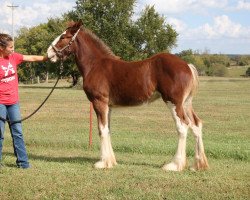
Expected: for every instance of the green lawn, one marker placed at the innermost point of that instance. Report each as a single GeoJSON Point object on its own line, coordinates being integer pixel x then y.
{"type": "Point", "coordinates": [144, 138]}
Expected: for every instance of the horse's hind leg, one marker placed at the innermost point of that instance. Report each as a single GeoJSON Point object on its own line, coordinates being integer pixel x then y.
{"type": "Point", "coordinates": [179, 161]}
{"type": "Point", "coordinates": [200, 162]}
{"type": "Point", "coordinates": [107, 155]}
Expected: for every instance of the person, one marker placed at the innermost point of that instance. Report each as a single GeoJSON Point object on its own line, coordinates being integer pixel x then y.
{"type": "Point", "coordinates": [9, 98]}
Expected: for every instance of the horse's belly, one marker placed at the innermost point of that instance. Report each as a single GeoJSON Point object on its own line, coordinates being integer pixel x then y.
{"type": "Point", "coordinates": [134, 100]}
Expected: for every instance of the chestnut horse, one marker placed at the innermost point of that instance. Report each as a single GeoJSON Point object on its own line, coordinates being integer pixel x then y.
{"type": "Point", "coordinates": [109, 81]}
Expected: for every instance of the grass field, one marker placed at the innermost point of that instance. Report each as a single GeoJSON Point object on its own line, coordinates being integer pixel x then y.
{"type": "Point", "coordinates": [144, 138]}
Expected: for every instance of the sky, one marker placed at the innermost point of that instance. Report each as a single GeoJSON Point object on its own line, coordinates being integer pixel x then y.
{"type": "Point", "coordinates": [214, 26]}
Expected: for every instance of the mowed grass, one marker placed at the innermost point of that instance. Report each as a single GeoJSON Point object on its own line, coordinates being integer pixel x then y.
{"type": "Point", "coordinates": [143, 138]}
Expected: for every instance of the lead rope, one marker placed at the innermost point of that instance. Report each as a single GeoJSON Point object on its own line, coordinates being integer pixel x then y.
{"type": "Point", "coordinates": [35, 111]}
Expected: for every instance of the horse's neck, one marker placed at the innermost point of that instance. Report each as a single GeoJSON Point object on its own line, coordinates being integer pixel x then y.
{"type": "Point", "coordinates": [83, 65]}
{"type": "Point", "coordinates": [84, 57]}
{"type": "Point", "coordinates": [88, 52]}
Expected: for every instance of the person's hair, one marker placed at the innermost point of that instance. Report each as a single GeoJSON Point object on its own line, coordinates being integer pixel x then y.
{"type": "Point", "coordinates": [5, 39]}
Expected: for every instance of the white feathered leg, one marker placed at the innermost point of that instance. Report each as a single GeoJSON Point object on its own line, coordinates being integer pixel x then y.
{"type": "Point", "coordinates": [107, 154]}
{"type": "Point", "coordinates": [200, 162]}
{"type": "Point", "coordinates": [179, 161]}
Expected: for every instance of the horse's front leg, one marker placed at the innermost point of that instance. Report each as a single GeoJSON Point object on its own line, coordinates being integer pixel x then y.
{"type": "Point", "coordinates": [107, 155]}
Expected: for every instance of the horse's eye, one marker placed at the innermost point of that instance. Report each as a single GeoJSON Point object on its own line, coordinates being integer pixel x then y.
{"type": "Point", "coordinates": [63, 37]}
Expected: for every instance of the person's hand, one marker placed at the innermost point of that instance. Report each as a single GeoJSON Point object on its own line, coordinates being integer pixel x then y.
{"type": "Point", "coordinates": [45, 57]}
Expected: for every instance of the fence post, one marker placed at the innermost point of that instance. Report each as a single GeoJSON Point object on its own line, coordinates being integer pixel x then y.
{"type": "Point", "coordinates": [90, 124]}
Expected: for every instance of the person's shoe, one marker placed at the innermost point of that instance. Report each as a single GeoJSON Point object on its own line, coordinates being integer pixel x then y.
{"type": "Point", "coordinates": [24, 166]}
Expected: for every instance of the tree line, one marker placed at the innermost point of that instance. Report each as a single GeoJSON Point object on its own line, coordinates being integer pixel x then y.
{"type": "Point", "coordinates": [130, 37]}
{"type": "Point", "coordinates": [214, 64]}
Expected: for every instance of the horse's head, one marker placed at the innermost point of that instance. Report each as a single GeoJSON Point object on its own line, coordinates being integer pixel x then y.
{"type": "Point", "coordinates": [64, 45]}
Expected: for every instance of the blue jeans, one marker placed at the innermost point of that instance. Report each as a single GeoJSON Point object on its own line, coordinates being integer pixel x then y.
{"type": "Point", "coordinates": [12, 112]}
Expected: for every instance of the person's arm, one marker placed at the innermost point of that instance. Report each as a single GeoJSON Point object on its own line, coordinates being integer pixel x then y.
{"type": "Point", "coordinates": [34, 58]}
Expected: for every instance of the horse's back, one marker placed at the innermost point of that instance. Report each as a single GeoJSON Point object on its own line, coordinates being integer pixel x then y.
{"type": "Point", "coordinates": [164, 73]}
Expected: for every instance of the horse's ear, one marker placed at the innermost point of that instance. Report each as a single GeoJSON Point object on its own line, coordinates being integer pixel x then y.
{"type": "Point", "coordinates": [78, 24]}
{"type": "Point", "coordinates": [75, 25]}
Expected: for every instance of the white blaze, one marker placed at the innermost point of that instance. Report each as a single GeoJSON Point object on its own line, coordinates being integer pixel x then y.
{"type": "Point", "coordinates": [51, 52]}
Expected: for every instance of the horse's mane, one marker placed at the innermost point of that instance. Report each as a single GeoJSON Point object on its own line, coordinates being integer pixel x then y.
{"type": "Point", "coordinates": [99, 43]}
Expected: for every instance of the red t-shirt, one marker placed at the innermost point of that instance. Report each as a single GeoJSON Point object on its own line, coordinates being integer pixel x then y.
{"type": "Point", "coordinates": [9, 79]}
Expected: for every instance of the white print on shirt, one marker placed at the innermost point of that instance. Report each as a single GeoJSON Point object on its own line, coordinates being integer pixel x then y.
{"type": "Point", "coordinates": [6, 80]}
{"type": "Point", "coordinates": [6, 72]}
{"type": "Point", "coordinates": [7, 69]}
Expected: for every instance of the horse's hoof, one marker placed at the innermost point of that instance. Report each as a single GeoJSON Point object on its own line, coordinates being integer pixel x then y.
{"type": "Point", "coordinates": [104, 164]}
{"type": "Point", "coordinates": [100, 165]}
{"type": "Point", "coordinates": [193, 169]}
{"type": "Point", "coordinates": [200, 164]}
{"type": "Point", "coordinates": [172, 167]}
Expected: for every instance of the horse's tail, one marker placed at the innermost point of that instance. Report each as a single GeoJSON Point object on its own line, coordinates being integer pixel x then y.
{"type": "Point", "coordinates": [195, 81]}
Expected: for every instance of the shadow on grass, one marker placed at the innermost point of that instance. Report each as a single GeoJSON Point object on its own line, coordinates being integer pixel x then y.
{"type": "Point", "coordinates": [80, 160]}
{"type": "Point", "coordinates": [44, 87]}
{"type": "Point", "coordinates": [130, 163]}
{"type": "Point", "coordinates": [57, 159]}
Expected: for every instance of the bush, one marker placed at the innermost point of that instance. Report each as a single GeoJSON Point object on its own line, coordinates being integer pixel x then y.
{"type": "Point", "coordinates": [244, 60]}
{"type": "Point", "coordinates": [218, 70]}
{"type": "Point", "coordinates": [248, 71]}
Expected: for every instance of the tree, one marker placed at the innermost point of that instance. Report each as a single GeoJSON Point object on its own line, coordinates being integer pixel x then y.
{"type": "Point", "coordinates": [216, 64]}
{"type": "Point", "coordinates": [108, 19]}
{"type": "Point", "coordinates": [112, 21]}
{"type": "Point", "coordinates": [190, 57]}
{"type": "Point", "coordinates": [31, 41]}
{"type": "Point", "coordinates": [218, 70]}
{"type": "Point", "coordinates": [187, 55]}
{"type": "Point", "coordinates": [244, 60]}
{"type": "Point", "coordinates": [154, 34]}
